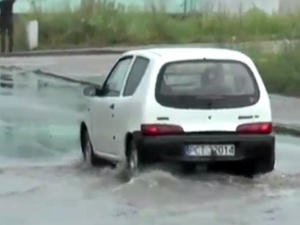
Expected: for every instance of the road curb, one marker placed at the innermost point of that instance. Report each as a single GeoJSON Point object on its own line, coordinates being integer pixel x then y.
{"type": "Point", "coordinates": [287, 129]}
{"type": "Point", "coordinates": [121, 49]}
{"type": "Point", "coordinates": [42, 73]}
{"type": "Point", "coordinates": [64, 78]}
{"type": "Point", "coordinates": [67, 52]}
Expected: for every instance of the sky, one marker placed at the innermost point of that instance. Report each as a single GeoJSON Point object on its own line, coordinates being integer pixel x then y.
{"type": "Point", "coordinates": [171, 5]}
{"type": "Point", "coordinates": [24, 5]}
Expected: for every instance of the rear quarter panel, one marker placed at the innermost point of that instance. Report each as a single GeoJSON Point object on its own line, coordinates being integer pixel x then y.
{"type": "Point", "coordinates": [264, 104]}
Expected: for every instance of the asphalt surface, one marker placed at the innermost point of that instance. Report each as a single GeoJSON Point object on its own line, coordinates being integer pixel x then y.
{"type": "Point", "coordinates": [43, 180]}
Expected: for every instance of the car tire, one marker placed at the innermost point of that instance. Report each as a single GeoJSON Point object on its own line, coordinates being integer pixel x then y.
{"type": "Point", "coordinates": [247, 168]}
{"type": "Point", "coordinates": [262, 165]}
{"type": "Point", "coordinates": [188, 167]}
{"type": "Point", "coordinates": [88, 151]}
{"type": "Point", "coordinates": [133, 162]}
{"type": "Point", "coordinates": [258, 166]}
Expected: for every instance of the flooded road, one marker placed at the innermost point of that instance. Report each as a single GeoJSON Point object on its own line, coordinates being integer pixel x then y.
{"type": "Point", "coordinates": [43, 180]}
{"type": "Point", "coordinates": [73, 194]}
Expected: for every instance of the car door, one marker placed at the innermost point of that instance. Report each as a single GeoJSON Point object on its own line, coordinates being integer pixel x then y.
{"type": "Point", "coordinates": [124, 106]}
{"type": "Point", "coordinates": [104, 105]}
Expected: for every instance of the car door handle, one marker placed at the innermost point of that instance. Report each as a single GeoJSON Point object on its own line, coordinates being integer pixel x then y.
{"type": "Point", "coordinates": [112, 106]}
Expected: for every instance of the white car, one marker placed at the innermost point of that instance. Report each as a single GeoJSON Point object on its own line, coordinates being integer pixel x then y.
{"type": "Point", "coordinates": [187, 105]}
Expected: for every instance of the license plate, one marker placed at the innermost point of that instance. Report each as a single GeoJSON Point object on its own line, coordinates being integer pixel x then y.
{"type": "Point", "coordinates": [210, 150]}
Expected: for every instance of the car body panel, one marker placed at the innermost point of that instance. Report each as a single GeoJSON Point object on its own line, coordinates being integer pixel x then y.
{"type": "Point", "coordinates": [142, 108]}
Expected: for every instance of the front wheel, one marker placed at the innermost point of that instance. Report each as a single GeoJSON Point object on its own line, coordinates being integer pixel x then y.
{"type": "Point", "coordinates": [88, 151]}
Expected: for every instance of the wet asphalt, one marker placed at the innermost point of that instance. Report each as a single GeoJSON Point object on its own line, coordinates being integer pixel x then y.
{"type": "Point", "coordinates": [44, 181]}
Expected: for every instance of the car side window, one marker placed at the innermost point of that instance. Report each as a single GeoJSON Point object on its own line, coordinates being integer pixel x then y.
{"type": "Point", "coordinates": [136, 74]}
{"type": "Point", "coordinates": [115, 80]}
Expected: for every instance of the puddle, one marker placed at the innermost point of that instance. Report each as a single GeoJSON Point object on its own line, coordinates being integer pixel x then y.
{"type": "Point", "coordinates": [39, 116]}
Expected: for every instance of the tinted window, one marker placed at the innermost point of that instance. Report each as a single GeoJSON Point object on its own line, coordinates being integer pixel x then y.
{"type": "Point", "coordinates": [135, 76]}
{"type": "Point", "coordinates": [206, 84]}
{"type": "Point", "coordinates": [114, 84]}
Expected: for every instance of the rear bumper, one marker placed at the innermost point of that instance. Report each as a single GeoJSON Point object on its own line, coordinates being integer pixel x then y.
{"type": "Point", "coordinates": [173, 147]}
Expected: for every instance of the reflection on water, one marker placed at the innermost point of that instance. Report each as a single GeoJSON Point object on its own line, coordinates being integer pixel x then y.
{"type": "Point", "coordinates": [39, 116]}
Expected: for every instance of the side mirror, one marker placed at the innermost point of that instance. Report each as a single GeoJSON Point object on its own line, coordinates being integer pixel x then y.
{"type": "Point", "coordinates": [90, 91]}
{"type": "Point", "coordinates": [93, 90]}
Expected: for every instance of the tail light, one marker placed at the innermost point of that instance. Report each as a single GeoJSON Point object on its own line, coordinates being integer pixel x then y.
{"type": "Point", "coordinates": [160, 129]}
{"type": "Point", "coordinates": [255, 128]}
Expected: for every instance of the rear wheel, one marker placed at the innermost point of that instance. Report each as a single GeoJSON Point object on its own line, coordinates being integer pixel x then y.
{"type": "Point", "coordinates": [261, 165]}
{"type": "Point", "coordinates": [189, 167]}
{"type": "Point", "coordinates": [133, 163]}
{"type": "Point", "coordinates": [248, 168]}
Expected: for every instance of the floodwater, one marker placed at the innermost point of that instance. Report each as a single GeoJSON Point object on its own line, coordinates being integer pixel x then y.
{"type": "Point", "coordinates": [43, 180]}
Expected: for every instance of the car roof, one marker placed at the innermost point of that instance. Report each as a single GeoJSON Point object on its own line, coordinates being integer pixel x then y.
{"type": "Point", "coordinates": [183, 53]}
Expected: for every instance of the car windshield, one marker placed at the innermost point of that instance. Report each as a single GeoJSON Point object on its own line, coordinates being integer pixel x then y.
{"type": "Point", "coordinates": [206, 84]}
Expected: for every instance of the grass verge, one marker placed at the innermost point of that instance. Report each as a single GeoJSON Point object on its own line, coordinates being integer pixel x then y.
{"type": "Point", "coordinates": [281, 71]}
{"type": "Point", "coordinates": [100, 24]}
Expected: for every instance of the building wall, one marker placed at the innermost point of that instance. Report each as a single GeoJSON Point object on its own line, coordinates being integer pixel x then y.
{"type": "Point", "coordinates": [287, 6]}
{"type": "Point", "coordinates": [236, 6]}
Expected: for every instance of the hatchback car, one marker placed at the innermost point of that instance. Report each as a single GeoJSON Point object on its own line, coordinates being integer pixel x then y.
{"type": "Point", "coordinates": [187, 105]}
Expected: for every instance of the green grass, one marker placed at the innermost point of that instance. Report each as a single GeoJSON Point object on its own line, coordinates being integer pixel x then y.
{"type": "Point", "coordinates": [102, 24]}
{"type": "Point", "coordinates": [280, 72]}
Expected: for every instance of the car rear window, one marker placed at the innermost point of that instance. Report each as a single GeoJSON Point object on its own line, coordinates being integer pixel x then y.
{"type": "Point", "coordinates": [206, 84]}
